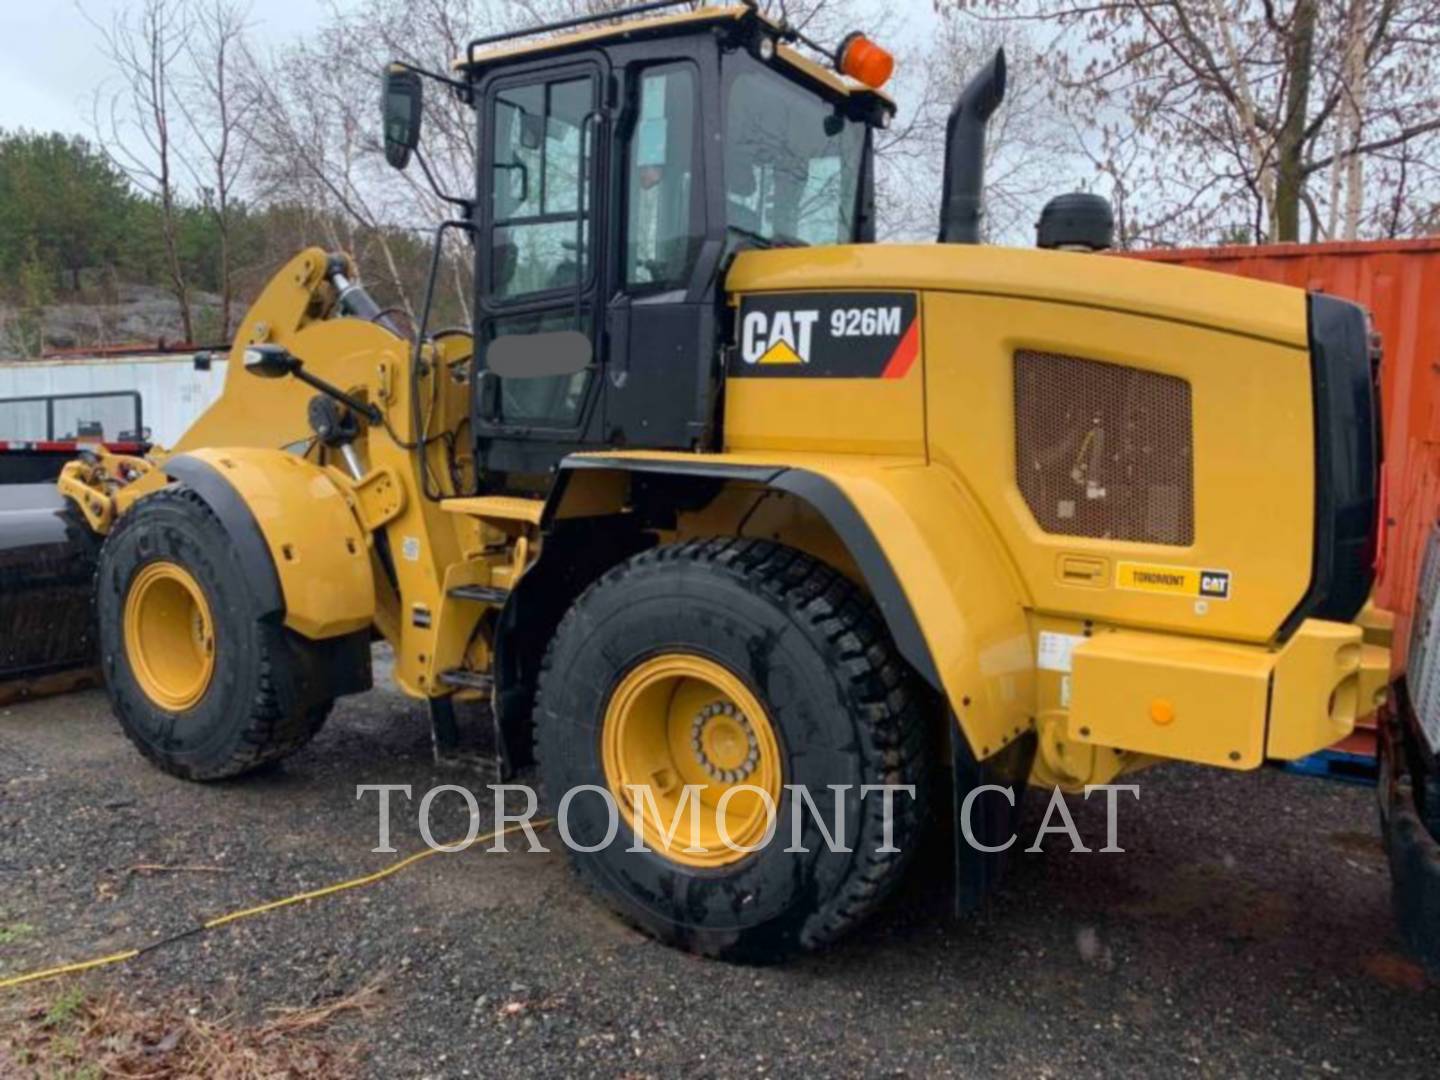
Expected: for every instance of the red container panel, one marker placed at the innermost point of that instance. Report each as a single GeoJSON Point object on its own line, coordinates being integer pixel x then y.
{"type": "Point", "coordinates": [1399, 281]}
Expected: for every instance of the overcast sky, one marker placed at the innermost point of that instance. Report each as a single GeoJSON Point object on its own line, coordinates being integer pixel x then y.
{"type": "Point", "coordinates": [51, 62]}
{"type": "Point", "coordinates": [51, 65]}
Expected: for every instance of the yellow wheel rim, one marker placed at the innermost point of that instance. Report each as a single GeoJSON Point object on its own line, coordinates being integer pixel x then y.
{"type": "Point", "coordinates": [679, 719]}
{"type": "Point", "coordinates": [169, 636]}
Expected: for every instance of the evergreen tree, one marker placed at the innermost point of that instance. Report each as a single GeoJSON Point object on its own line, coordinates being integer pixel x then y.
{"type": "Point", "coordinates": [61, 203]}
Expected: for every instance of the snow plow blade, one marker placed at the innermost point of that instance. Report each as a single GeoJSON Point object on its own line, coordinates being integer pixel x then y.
{"type": "Point", "coordinates": [48, 552]}
{"type": "Point", "coordinates": [47, 572]}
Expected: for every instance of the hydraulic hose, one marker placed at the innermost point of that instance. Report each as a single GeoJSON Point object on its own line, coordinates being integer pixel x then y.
{"type": "Point", "coordinates": [352, 299]}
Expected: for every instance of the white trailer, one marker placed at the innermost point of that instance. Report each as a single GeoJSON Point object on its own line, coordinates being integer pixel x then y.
{"type": "Point", "coordinates": [173, 393]}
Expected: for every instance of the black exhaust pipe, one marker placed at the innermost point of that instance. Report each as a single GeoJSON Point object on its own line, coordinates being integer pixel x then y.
{"type": "Point", "coordinates": [962, 203]}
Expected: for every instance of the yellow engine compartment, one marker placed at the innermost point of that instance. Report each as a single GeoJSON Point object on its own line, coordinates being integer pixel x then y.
{"type": "Point", "coordinates": [1185, 631]}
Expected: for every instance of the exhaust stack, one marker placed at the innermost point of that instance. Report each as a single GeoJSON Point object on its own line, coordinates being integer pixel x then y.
{"type": "Point", "coordinates": [962, 202]}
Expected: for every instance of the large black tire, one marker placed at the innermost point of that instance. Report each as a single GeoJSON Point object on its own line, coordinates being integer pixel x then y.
{"type": "Point", "coordinates": [813, 651]}
{"type": "Point", "coordinates": [254, 709]}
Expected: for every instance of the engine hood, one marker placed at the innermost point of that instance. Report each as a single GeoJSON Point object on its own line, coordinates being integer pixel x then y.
{"type": "Point", "coordinates": [1275, 313]}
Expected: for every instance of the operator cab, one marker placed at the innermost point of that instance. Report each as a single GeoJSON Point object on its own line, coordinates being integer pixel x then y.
{"type": "Point", "coordinates": [604, 218]}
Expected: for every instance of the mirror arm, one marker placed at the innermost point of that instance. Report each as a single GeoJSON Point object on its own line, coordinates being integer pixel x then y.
{"type": "Point", "coordinates": [422, 331]}
{"type": "Point", "coordinates": [466, 206]}
{"type": "Point", "coordinates": [371, 413]}
{"type": "Point", "coordinates": [460, 87]}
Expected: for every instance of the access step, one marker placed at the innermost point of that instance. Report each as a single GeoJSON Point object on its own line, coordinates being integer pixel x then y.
{"type": "Point", "coordinates": [466, 680]}
{"type": "Point", "coordinates": [497, 508]}
{"type": "Point", "coordinates": [484, 594]}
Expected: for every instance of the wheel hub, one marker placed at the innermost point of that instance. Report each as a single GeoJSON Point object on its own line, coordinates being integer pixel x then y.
{"type": "Point", "coordinates": [678, 721]}
{"type": "Point", "coordinates": [724, 743]}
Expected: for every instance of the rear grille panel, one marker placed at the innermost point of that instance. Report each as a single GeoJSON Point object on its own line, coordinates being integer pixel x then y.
{"type": "Point", "coordinates": [1104, 450]}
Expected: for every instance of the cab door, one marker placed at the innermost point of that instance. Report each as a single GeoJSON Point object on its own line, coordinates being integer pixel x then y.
{"type": "Point", "coordinates": [662, 315]}
{"type": "Point", "coordinates": [541, 207]}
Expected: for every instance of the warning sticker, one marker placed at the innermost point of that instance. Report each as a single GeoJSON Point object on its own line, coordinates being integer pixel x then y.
{"type": "Point", "coordinates": [1173, 580]}
{"type": "Point", "coordinates": [838, 335]}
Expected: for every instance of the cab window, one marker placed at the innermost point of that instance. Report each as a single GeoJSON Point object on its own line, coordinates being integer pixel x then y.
{"type": "Point", "coordinates": [541, 156]}
{"type": "Point", "coordinates": [664, 212]}
{"type": "Point", "coordinates": [792, 160]}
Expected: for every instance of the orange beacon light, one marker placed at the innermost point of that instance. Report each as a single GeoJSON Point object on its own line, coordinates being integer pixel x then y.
{"type": "Point", "coordinates": [864, 61]}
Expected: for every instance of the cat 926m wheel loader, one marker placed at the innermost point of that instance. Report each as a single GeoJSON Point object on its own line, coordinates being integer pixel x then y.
{"type": "Point", "coordinates": [719, 494]}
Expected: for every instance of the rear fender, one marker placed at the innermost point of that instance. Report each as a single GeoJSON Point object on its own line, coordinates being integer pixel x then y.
{"type": "Point", "coordinates": [914, 538]}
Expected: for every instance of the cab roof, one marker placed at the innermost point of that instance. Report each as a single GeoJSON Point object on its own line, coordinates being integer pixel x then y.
{"type": "Point", "coordinates": [478, 59]}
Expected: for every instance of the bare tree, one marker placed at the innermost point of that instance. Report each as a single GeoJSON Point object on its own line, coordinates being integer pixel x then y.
{"type": "Point", "coordinates": [135, 117]}
{"type": "Point", "coordinates": [1243, 117]}
{"type": "Point", "coordinates": [317, 132]}
{"type": "Point", "coordinates": [218, 106]}
{"type": "Point", "coordinates": [315, 152]}
{"type": "Point", "coordinates": [318, 138]}
{"type": "Point", "coordinates": [1030, 148]}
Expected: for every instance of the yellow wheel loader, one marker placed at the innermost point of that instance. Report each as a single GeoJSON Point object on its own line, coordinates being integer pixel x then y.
{"type": "Point", "coordinates": [718, 495]}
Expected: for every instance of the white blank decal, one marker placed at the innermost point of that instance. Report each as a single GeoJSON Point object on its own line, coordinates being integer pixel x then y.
{"type": "Point", "coordinates": [1056, 649]}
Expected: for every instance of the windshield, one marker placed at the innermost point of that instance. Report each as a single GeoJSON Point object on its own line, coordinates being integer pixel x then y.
{"type": "Point", "coordinates": [792, 161]}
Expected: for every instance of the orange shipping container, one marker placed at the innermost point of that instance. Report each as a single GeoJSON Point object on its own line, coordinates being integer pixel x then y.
{"type": "Point", "coordinates": [1399, 281]}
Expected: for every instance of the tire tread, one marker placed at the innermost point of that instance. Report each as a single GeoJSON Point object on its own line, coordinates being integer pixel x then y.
{"type": "Point", "coordinates": [879, 685]}
{"type": "Point", "coordinates": [271, 732]}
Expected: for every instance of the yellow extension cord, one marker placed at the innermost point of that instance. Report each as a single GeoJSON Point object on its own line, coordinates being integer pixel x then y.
{"type": "Point", "coordinates": [261, 909]}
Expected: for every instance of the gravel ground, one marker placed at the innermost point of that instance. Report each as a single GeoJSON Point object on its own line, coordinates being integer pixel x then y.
{"type": "Point", "coordinates": [1246, 930]}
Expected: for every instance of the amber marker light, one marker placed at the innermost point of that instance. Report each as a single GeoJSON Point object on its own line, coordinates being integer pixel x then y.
{"type": "Point", "coordinates": [864, 61]}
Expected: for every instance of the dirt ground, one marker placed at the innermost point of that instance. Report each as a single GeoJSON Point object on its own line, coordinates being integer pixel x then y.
{"type": "Point", "coordinates": [1246, 930]}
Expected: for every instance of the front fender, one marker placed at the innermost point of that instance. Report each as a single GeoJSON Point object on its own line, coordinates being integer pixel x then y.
{"type": "Point", "coordinates": [304, 551]}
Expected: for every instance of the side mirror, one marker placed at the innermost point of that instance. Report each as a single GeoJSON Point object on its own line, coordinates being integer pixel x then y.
{"type": "Point", "coordinates": [270, 362]}
{"type": "Point", "coordinates": [401, 100]}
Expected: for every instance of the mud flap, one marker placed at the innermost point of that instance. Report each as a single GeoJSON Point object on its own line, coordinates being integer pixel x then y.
{"type": "Point", "coordinates": [321, 671]}
{"type": "Point", "coordinates": [993, 817]}
{"type": "Point", "coordinates": [1409, 794]}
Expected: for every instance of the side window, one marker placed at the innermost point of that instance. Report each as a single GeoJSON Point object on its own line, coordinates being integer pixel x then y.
{"type": "Point", "coordinates": [793, 162]}
{"type": "Point", "coordinates": [541, 159]}
{"type": "Point", "coordinates": [664, 213]}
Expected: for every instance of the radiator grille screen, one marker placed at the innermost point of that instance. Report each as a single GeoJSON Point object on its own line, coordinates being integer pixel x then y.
{"type": "Point", "coordinates": [1104, 450]}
